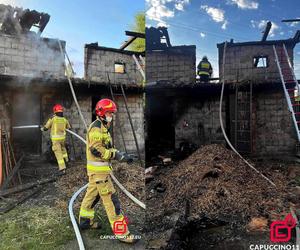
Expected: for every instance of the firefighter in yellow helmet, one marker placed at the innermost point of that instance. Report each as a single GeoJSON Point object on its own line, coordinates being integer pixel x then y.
{"type": "Point", "coordinates": [99, 152]}
{"type": "Point", "coordinates": [204, 70]}
{"type": "Point", "coordinates": [58, 125]}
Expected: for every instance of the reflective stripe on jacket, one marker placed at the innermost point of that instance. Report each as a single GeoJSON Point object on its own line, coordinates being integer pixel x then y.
{"type": "Point", "coordinates": [99, 150]}
{"type": "Point", "coordinates": [58, 127]}
{"type": "Point", "coordinates": [204, 68]}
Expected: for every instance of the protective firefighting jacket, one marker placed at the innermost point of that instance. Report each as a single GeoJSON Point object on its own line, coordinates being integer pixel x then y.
{"type": "Point", "coordinates": [99, 150]}
{"type": "Point", "coordinates": [58, 125]}
{"type": "Point", "coordinates": [204, 68]}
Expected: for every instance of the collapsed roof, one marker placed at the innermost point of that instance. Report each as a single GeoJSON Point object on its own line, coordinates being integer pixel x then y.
{"type": "Point", "coordinates": [15, 20]}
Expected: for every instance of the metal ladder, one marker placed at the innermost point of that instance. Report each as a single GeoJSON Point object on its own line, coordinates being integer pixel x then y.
{"type": "Point", "coordinates": [289, 83]}
{"type": "Point", "coordinates": [140, 65]}
{"type": "Point", "coordinates": [243, 120]}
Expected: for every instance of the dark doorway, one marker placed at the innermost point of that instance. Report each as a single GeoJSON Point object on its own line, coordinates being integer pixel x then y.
{"type": "Point", "coordinates": [160, 125]}
{"type": "Point", "coordinates": [94, 102]}
{"type": "Point", "coordinates": [26, 111]}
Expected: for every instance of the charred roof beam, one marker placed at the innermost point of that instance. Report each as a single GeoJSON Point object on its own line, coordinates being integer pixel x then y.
{"type": "Point", "coordinates": [127, 43]}
{"type": "Point", "coordinates": [264, 38]}
{"type": "Point", "coordinates": [135, 34]}
{"type": "Point", "coordinates": [267, 31]}
{"type": "Point", "coordinates": [290, 20]}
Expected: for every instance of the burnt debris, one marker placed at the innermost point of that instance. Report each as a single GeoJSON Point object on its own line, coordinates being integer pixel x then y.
{"type": "Point", "coordinates": [157, 38]}
{"type": "Point", "coordinates": [15, 20]}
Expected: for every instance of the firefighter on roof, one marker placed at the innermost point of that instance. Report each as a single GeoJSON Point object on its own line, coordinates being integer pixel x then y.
{"type": "Point", "coordinates": [204, 70]}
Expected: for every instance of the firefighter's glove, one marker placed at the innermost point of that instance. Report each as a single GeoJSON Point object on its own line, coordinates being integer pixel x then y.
{"type": "Point", "coordinates": [43, 129]}
{"type": "Point", "coordinates": [123, 157]}
{"type": "Point", "coordinates": [95, 152]}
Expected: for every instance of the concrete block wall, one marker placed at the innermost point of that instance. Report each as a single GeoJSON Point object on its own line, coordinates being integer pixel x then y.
{"type": "Point", "coordinates": [176, 64]}
{"type": "Point", "coordinates": [239, 64]}
{"type": "Point", "coordinates": [136, 109]}
{"type": "Point", "coordinates": [274, 131]}
{"type": "Point", "coordinates": [100, 62]}
{"type": "Point", "coordinates": [135, 103]}
{"type": "Point", "coordinates": [202, 118]}
{"type": "Point", "coordinates": [30, 56]}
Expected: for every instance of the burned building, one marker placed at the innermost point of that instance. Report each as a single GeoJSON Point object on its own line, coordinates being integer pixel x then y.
{"type": "Point", "coordinates": [31, 56]}
{"type": "Point", "coordinates": [167, 63]}
{"type": "Point", "coordinates": [173, 64]}
{"type": "Point", "coordinates": [33, 79]}
{"type": "Point", "coordinates": [117, 69]}
{"type": "Point", "coordinates": [112, 65]}
{"type": "Point", "coordinates": [255, 113]}
{"type": "Point", "coordinates": [253, 61]}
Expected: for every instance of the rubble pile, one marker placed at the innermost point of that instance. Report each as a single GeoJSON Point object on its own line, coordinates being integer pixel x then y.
{"type": "Point", "coordinates": [214, 182]}
{"type": "Point", "coordinates": [130, 176]}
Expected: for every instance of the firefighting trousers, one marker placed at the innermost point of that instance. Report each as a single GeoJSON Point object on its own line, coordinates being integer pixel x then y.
{"type": "Point", "coordinates": [60, 152]}
{"type": "Point", "coordinates": [100, 186]}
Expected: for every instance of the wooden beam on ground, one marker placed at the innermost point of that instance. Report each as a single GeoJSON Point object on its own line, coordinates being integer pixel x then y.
{"type": "Point", "coordinates": [12, 173]}
{"type": "Point", "coordinates": [19, 201]}
{"type": "Point", "coordinates": [26, 186]}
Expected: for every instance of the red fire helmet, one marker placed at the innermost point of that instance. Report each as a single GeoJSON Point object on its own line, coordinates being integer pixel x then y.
{"type": "Point", "coordinates": [58, 108]}
{"type": "Point", "coordinates": [105, 105]}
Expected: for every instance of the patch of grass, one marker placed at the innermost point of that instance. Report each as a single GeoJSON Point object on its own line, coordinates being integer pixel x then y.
{"type": "Point", "coordinates": [34, 228]}
{"type": "Point", "coordinates": [105, 229]}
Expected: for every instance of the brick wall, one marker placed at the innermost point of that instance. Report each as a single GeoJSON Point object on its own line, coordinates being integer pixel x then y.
{"type": "Point", "coordinates": [239, 63]}
{"type": "Point", "coordinates": [30, 56]}
{"type": "Point", "coordinates": [100, 62]}
{"type": "Point", "coordinates": [202, 117]}
{"type": "Point", "coordinates": [175, 64]}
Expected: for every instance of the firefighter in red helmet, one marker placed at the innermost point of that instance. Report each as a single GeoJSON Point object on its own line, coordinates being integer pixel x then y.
{"type": "Point", "coordinates": [99, 152]}
{"type": "Point", "coordinates": [58, 125]}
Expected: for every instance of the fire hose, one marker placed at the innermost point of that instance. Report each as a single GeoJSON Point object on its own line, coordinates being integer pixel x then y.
{"type": "Point", "coordinates": [297, 228]}
{"type": "Point", "coordinates": [135, 200]}
{"type": "Point", "coordinates": [75, 195]}
{"type": "Point", "coordinates": [222, 126]}
{"type": "Point", "coordinates": [76, 229]}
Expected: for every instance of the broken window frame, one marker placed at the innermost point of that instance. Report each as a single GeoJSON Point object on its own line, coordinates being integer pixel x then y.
{"type": "Point", "coordinates": [120, 64]}
{"type": "Point", "coordinates": [256, 64]}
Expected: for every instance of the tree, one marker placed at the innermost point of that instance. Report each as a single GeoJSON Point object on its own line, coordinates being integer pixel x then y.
{"type": "Point", "coordinates": [139, 26]}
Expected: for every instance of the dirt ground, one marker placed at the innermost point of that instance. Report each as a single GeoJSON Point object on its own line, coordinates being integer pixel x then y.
{"type": "Point", "coordinates": [214, 187]}
{"type": "Point", "coordinates": [43, 221]}
{"type": "Point", "coordinates": [206, 201]}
